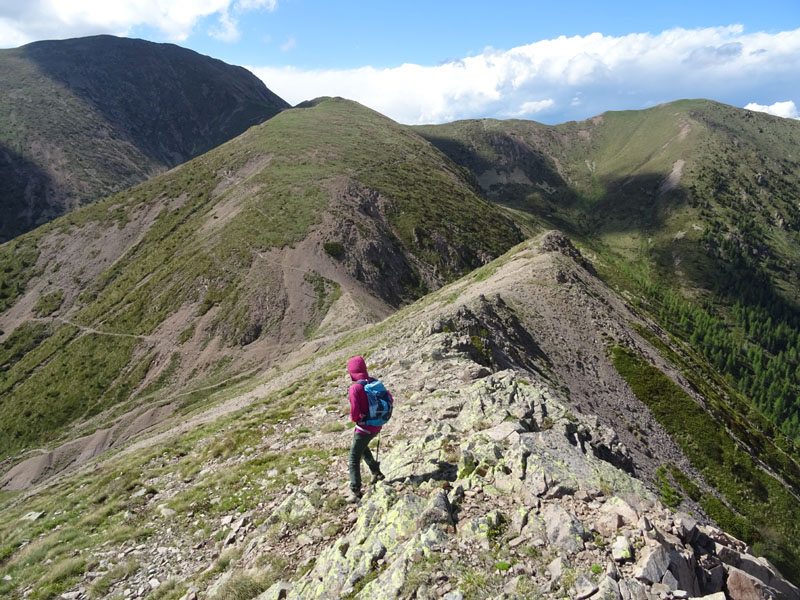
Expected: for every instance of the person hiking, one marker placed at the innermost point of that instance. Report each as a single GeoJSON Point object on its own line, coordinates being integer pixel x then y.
{"type": "Point", "coordinates": [363, 434]}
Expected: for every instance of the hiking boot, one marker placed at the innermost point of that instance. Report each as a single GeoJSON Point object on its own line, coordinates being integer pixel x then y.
{"type": "Point", "coordinates": [377, 475]}
{"type": "Point", "coordinates": [353, 496]}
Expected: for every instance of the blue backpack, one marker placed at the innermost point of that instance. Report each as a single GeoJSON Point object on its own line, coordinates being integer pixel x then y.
{"type": "Point", "coordinates": [380, 403]}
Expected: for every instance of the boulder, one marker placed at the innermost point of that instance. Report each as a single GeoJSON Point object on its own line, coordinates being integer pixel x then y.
{"type": "Point", "coordinates": [297, 507]}
{"type": "Point", "coordinates": [685, 527]}
{"type": "Point", "coordinates": [758, 568]}
{"type": "Point", "coordinates": [519, 519]}
{"type": "Point", "coordinates": [608, 524]}
{"type": "Point", "coordinates": [621, 550]}
{"type": "Point", "coordinates": [630, 589]}
{"type": "Point", "coordinates": [482, 527]}
{"type": "Point", "coordinates": [652, 565]}
{"type": "Point", "coordinates": [583, 587]}
{"type": "Point", "coordinates": [277, 591]}
{"type": "Point", "coordinates": [713, 580]}
{"type": "Point", "coordinates": [438, 510]}
{"type": "Point", "coordinates": [165, 512]}
{"type": "Point", "coordinates": [670, 581]}
{"type": "Point", "coordinates": [682, 566]}
{"type": "Point", "coordinates": [505, 430]}
{"type": "Point", "coordinates": [742, 586]}
{"type": "Point", "coordinates": [608, 590]}
{"type": "Point", "coordinates": [619, 507]}
{"type": "Point", "coordinates": [556, 568]}
{"type": "Point", "coordinates": [563, 529]}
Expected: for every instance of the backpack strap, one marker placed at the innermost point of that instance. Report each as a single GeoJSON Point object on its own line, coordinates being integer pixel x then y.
{"type": "Point", "coordinates": [362, 383]}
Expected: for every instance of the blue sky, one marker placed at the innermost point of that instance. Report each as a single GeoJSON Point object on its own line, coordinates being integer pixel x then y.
{"type": "Point", "coordinates": [423, 62]}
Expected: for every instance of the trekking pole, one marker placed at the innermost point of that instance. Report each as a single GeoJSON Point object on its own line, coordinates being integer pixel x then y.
{"type": "Point", "coordinates": [378, 450]}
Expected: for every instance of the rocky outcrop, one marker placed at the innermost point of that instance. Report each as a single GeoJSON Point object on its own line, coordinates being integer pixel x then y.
{"type": "Point", "coordinates": [552, 516]}
{"type": "Point", "coordinates": [498, 485]}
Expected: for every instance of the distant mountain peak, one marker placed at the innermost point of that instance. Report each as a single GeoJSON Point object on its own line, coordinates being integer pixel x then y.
{"type": "Point", "coordinates": [91, 116]}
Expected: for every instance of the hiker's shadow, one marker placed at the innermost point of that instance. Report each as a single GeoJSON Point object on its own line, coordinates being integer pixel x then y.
{"type": "Point", "coordinates": [444, 471]}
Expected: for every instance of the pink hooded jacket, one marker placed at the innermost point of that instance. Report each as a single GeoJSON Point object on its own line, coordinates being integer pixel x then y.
{"type": "Point", "coordinates": [359, 404]}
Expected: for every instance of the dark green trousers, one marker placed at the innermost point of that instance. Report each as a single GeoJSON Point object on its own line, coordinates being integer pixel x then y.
{"type": "Point", "coordinates": [358, 450]}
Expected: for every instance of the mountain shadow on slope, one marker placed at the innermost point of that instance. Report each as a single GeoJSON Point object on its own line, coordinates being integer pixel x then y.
{"type": "Point", "coordinates": [170, 102]}
{"type": "Point", "coordinates": [101, 113]}
{"type": "Point", "coordinates": [528, 180]}
{"type": "Point", "coordinates": [24, 184]}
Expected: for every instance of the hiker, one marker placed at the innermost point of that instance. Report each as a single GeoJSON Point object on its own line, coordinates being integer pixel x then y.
{"type": "Point", "coordinates": [363, 433]}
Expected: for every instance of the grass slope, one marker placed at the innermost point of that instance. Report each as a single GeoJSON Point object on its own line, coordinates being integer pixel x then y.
{"type": "Point", "coordinates": [215, 216]}
{"type": "Point", "coordinates": [698, 196]}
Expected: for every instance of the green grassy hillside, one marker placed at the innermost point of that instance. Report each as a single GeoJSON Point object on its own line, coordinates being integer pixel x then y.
{"type": "Point", "coordinates": [201, 271]}
{"type": "Point", "coordinates": [698, 198]}
{"type": "Point", "coordinates": [82, 118]}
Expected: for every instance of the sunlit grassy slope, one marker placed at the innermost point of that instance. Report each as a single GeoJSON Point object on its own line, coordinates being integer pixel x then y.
{"type": "Point", "coordinates": [697, 197]}
{"type": "Point", "coordinates": [267, 189]}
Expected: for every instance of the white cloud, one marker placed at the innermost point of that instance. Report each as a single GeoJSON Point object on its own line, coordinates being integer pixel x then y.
{"type": "Point", "coordinates": [578, 76]}
{"type": "Point", "coordinates": [289, 44]}
{"type": "Point", "coordinates": [23, 22]}
{"type": "Point", "coordinates": [779, 109]}
{"type": "Point", "coordinates": [532, 107]}
{"type": "Point", "coordinates": [228, 29]}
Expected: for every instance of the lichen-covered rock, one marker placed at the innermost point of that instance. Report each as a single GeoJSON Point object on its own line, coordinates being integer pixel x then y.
{"type": "Point", "coordinates": [425, 457]}
{"type": "Point", "coordinates": [385, 521]}
{"type": "Point", "coordinates": [608, 589]}
{"type": "Point", "coordinates": [556, 465]}
{"type": "Point", "coordinates": [498, 398]}
{"type": "Point", "coordinates": [483, 527]}
{"type": "Point", "coordinates": [297, 507]}
{"type": "Point", "coordinates": [564, 530]}
{"type": "Point", "coordinates": [621, 550]}
{"type": "Point", "coordinates": [438, 510]}
{"type": "Point", "coordinates": [583, 587]}
{"type": "Point", "coordinates": [277, 591]}
{"type": "Point", "coordinates": [390, 583]}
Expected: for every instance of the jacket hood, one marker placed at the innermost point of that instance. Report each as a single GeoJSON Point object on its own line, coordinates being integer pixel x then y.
{"type": "Point", "coordinates": [357, 368]}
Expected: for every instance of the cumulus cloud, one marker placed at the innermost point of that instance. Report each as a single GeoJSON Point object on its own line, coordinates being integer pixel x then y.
{"type": "Point", "coordinates": [567, 77]}
{"type": "Point", "coordinates": [227, 30]}
{"type": "Point", "coordinates": [779, 109]}
{"type": "Point", "coordinates": [532, 107]}
{"type": "Point", "coordinates": [23, 22]}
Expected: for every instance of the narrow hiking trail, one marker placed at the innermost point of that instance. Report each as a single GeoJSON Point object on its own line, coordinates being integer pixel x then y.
{"type": "Point", "coordinates": [87, 329]}
{"type": "Point", "coordinates": [179, 425]}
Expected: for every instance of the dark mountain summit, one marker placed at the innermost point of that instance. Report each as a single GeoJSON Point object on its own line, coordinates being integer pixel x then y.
{"type": "Point", "coordinates": [86, 117]}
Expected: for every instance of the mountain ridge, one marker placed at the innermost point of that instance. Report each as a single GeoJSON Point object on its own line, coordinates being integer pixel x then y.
{"type": "Point", "coordinates": [697, 198]}
{"type": "Point", "coordinates": [204, 317]}
{"type": "Point", "coordinates": [497, 472]}
{"type": "Point", "coordinates": [235, 258]}
{"type": "Point", "coordinates": [87, 117]}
